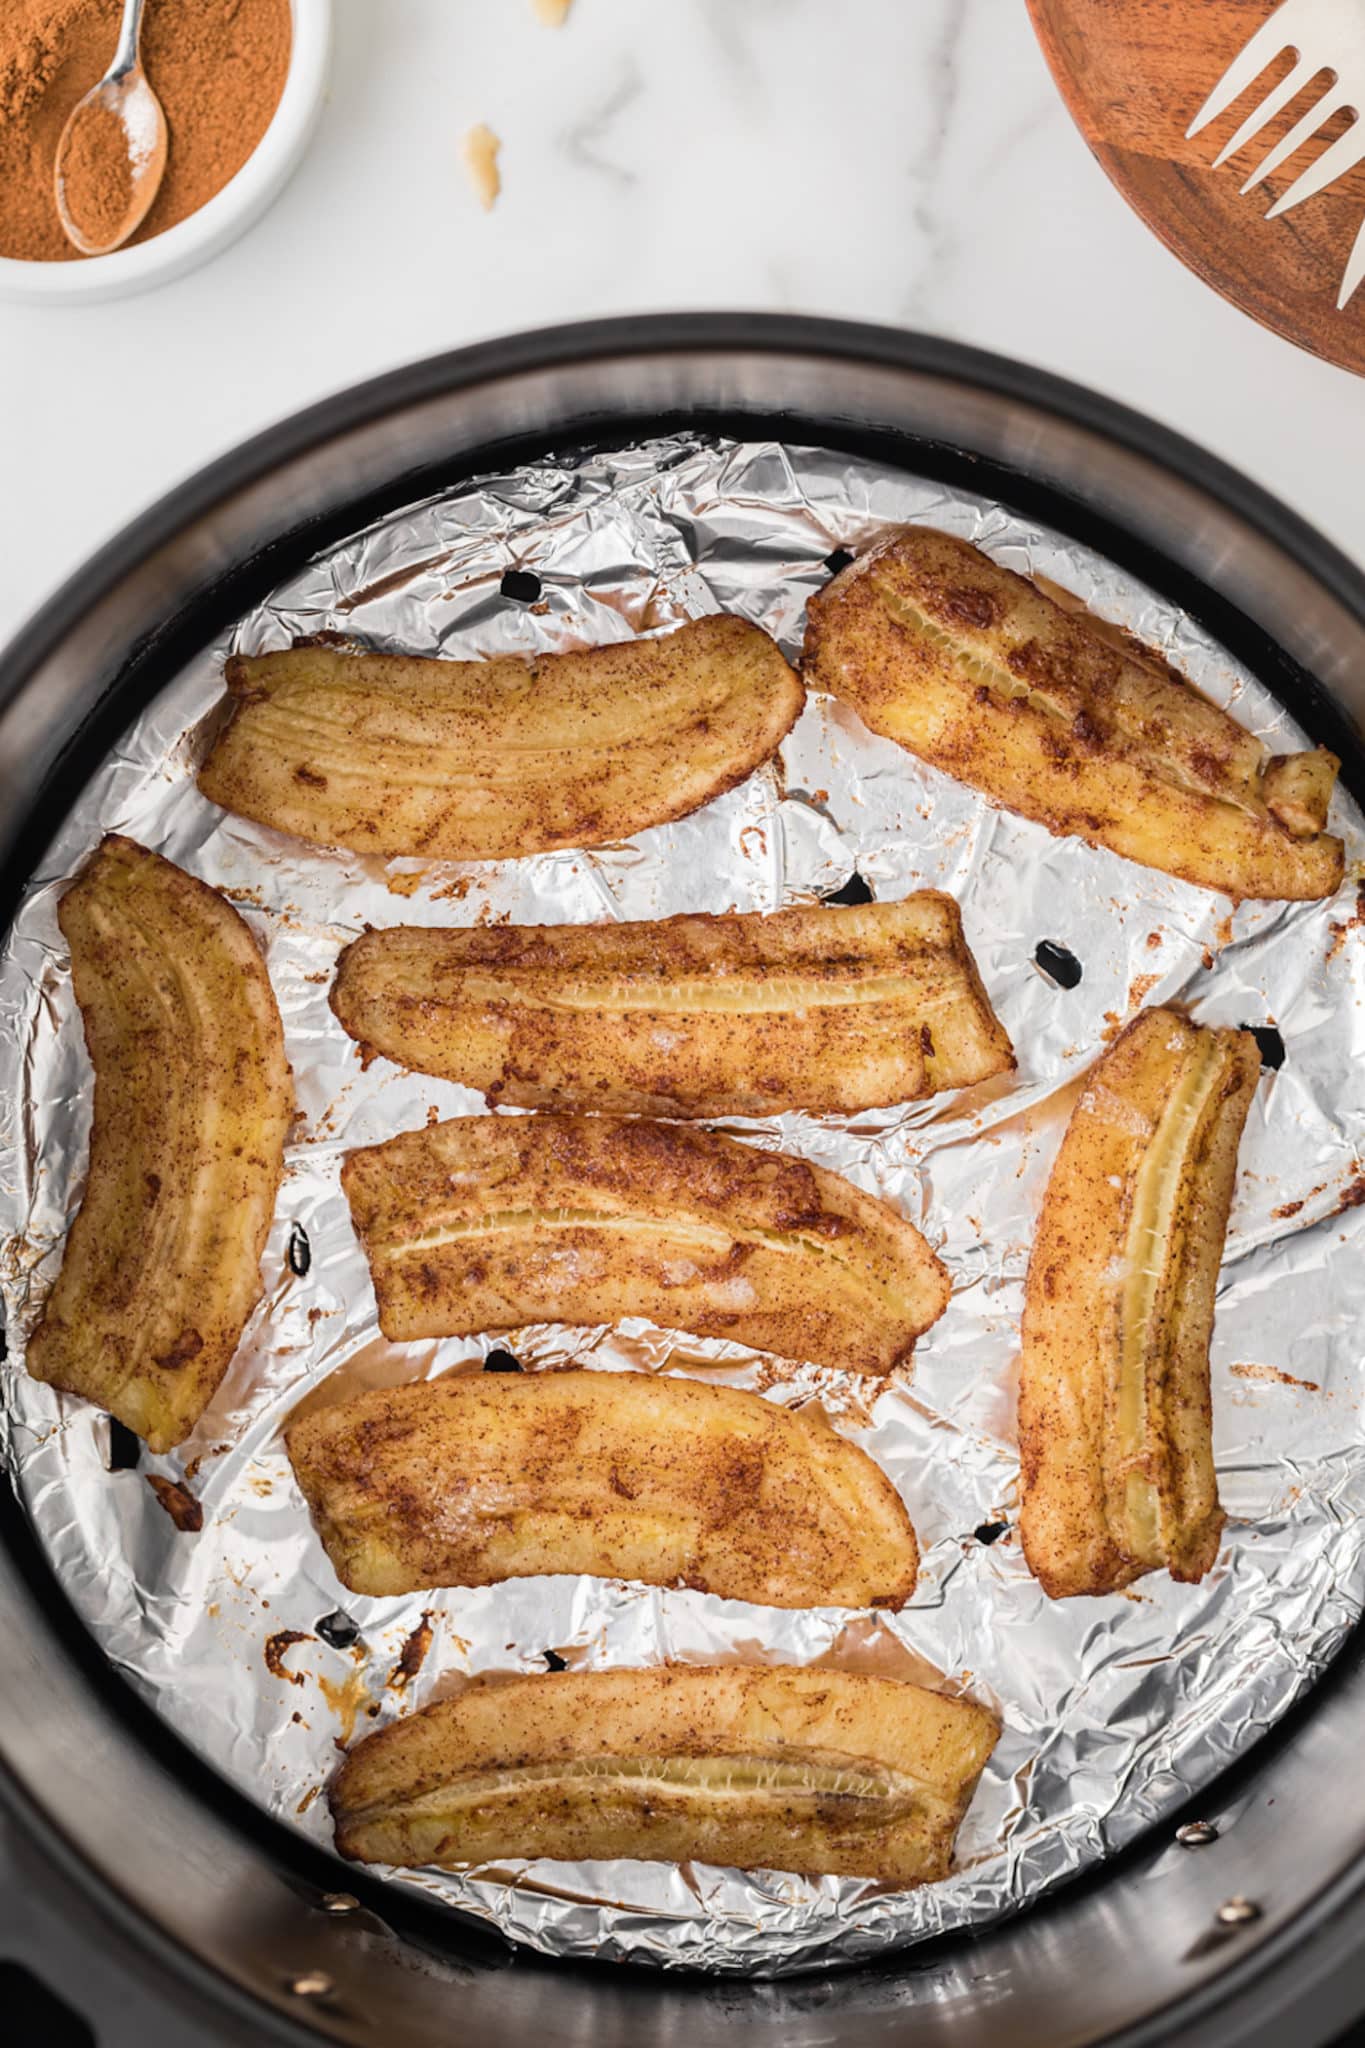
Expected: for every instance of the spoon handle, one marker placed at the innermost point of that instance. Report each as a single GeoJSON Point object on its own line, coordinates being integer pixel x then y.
{"type": "Point", "coordinates": [129, 36]}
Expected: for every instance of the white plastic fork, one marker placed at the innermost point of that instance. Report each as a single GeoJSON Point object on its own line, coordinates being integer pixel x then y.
{"type": "Point", "coordinates": [1325, 36]}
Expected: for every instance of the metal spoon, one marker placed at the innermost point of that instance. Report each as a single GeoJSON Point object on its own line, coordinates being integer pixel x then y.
{"type": "Point", "coordinates": [124, 93]}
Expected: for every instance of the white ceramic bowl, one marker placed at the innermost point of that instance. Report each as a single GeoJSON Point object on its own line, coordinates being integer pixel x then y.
{"type": "Point", "coordinates": [242, 200]}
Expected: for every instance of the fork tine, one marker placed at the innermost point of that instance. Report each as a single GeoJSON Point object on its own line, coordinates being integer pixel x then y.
{"type": "Point", "coordinates": [1342, 155]}
{"type": "Point", "coordinates": [1251, 60]}
{"type": "Point", "coordinates": [1334, 97]}
{"type": "Point", "coordinates": [1269, 107]}
{"type": "Point", "coordinates": [1354, 271]}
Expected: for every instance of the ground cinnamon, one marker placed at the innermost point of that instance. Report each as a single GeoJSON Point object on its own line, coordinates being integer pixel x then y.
{"type": "Point", "coordinates": [217, 66]}
{"type": "Point", "coordinates": [98, 173]}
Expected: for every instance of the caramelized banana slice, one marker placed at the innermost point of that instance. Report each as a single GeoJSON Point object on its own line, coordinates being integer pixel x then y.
{"type": "Point", "coordinates": [467, 1480]}
{"type": "Point", "coordinates": [485, 760]}
{"type": "Point", "coordinates": [1055, 715]}
{"type": "Point", "coordinates": [813, 1771]}
{"type": "Point", "coordinates": [822, 1009]}
{"type": "Point", "coordinates": [490, 1222]}
{"type": "Point", "coordinates": [192, 1104]}
{"type": "Point", "coordinates": [1114, 1422]}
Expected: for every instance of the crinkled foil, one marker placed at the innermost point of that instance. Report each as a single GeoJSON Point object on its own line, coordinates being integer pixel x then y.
{"type": "Point", "coordinates": [1114, 1710]}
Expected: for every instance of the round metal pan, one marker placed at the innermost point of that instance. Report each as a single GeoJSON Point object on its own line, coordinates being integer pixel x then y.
{"type": "Point", "coordinates": [1210, 1938]}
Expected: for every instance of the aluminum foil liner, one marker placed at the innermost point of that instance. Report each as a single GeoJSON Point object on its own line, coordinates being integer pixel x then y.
{"type": "Point", "coordinates": [1114, 1710]}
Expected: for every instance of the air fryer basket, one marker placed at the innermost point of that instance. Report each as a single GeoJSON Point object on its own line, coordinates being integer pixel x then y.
{"type": "Point", "coordinates": [1208, 1933]}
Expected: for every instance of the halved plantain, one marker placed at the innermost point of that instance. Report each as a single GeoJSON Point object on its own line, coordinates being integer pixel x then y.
{"type": "Point", "coordinates": [824, 1009]}
{"type": "Point", "coordinates": [1052, 713]}
{"type": "Point", "coordinates": [489, 1222]}
{"type": "Point", "coordinates": [1114, 1409]}
{"type": "Point", "coordinates": [471, 1479]}
{"type": "Point", "coordinates": [192, 1104]}
{"type": "Point", "coordinates": [485, 760]}
{"type": "Point", "coordinates": [813, 1771]}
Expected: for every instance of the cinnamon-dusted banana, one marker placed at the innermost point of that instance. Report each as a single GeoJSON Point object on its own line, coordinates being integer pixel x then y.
{"type": "Point", "coordinates": [813, 1771]}
{"type": "Point", "coordinates": [1055, 715]}
{"type": "Point", "coordinates": [475, 1478]}
{"type": "Point", "coordinates": [1114, 1420]}
{"type": "Point", "coordinates": [192, 1105]}
{"type": "Point", "coordinates": [826, 1008]}
{"type": "Point", "coordinates": [489, 1222]}
{"type": "Point", "coordinates": [485, 760]}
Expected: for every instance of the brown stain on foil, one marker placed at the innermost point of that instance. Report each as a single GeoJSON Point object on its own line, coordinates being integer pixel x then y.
{"type": "Point", "coordinates": [867, 1644]}
{"type": "Point", "coordinates": [405, 884]}
{"type": "Point", "coordinates": [384, 586]}
{"type": "Point", "coordinates": [1141, 988]}
{"type": "Point", "coordinates": [180, 1504]}
{"type": "Point", "coordinates": [348, 1698]}
{"type": "Point", "coordinates": [375, 1365]}
{"type": "Point", "coordinates": [277, 1645]}
{"type": "Point", "coordinates": [413, 1654]}
{"type": "Point", "coordinates": [1274, 1376]}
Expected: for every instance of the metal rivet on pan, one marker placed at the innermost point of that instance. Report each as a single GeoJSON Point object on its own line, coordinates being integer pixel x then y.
{"type": "Point", "coordinates": [339, 1903]}
{"type": "Point", "coordinates": [1236, 1911]}
{"type": "Point", "coordinates": [312, 1984]}
{"type": "Point", "coordinates": [1196, 1834]}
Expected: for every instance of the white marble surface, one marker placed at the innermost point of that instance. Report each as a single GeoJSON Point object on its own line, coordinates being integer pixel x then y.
{"type": "Point", "coordinates": [899, 160]}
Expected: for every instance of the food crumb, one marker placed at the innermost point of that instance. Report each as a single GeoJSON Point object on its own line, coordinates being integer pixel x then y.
{"type": "Point", "coordinates": [412, 1654]}
{"type": "Point", "coordinates": [480, 148]}
{"type": "Point", "coordinates": [554, 13]}
{"type": "Point", "coordinates": [180, 1504]}
{"type": "Point", "coordinates": [1342, 929]}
